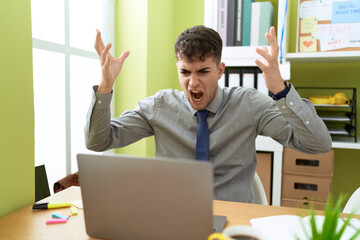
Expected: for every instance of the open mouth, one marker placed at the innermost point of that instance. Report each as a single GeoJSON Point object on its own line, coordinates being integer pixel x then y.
{"type": "Point", "coordinates": [196, 95]}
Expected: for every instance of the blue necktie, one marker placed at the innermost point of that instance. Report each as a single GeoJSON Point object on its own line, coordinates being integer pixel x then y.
{"type": "Point", "coordinates": [202, 137]}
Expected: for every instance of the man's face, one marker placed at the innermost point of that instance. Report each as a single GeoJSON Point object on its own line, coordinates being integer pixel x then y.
{"type": "Point", "coordinates": [199, 80]}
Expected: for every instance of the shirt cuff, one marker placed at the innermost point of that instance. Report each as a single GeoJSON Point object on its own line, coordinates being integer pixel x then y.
{"type": "Point", "coordinates": [281, 94]}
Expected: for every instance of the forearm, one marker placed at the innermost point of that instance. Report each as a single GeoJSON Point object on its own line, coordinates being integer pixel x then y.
{"type": "Point", "coordinates": [298, 126]}
{"type": "Point", "coordinates": [103, 133]}
{"type": "Point", "coordinates": [97, 128]}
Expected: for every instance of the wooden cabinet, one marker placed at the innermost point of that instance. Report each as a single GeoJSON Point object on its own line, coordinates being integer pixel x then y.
{"type": "Point", "coordinates": [264, 169]}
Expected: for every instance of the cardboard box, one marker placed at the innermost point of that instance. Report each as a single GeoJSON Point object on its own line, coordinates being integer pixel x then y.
{"type": "Point", "coordinates": [302, 204]}
{"type": "Point", "coordinates": [305, 187]}
{"type": "Point", "coordinates": [310, 164]}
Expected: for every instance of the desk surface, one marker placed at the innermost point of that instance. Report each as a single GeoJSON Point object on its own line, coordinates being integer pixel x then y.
{"type": "Point", "coordinates": [29, 224]}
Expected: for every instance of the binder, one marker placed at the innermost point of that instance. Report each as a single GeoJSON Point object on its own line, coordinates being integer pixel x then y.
{"type": "Point", "coordinates": [262, 14]}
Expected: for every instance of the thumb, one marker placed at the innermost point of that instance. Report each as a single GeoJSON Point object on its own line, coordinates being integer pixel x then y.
{"type": "Point", "coordinates": [123, 56]}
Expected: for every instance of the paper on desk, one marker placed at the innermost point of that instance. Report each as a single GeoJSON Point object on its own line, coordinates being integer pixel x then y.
{"type": "Point", "coordinates": [78, 203]}
{"type": "Point", "coordinates": [288, 227]}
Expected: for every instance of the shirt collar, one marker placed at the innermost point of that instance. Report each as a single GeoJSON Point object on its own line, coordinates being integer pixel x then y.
{"type": "Point", "coordinates": [213, 106]}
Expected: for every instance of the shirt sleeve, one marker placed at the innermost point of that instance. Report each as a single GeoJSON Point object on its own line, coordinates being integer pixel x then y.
{"type": "Point", "coordinates": [293, 122]}
{"type": "Point", "coordinates": [281, 94]}
{"type": "Point", "coordinates": [103, 133]}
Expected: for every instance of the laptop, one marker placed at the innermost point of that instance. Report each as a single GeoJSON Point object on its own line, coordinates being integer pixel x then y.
{"type": "Point", "coordinates": [137, 198]}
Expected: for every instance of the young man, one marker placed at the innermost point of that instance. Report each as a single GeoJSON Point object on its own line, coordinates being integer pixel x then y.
{"type": "Point", "coordinates": [235, 116]}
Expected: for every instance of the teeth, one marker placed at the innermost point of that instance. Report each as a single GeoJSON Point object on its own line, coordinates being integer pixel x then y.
{"type": "Point", "coordinates": [194, 91]}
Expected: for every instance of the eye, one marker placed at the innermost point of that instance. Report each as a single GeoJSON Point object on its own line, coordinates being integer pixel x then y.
{"type": "Point", "coordinates": [184, 72]}
{"type": "Point", "coordinates": [204, 71]}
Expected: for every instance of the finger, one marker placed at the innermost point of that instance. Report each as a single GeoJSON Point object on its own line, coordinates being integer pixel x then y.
{"type": "Point", "coordinates": [107, 62]}
{"type": "Point", "coordinates": [99, 44]}
{"type": "Point", "coordinates": [104, 53]}
{"type": "Point", "coordinates": [271, 38]}
{"type": "Point", "coordinates": [260, 65]}
{"type": "Point", "coordinates": [123, 56]}
{"type": "Point", "coordinates": [264, 53]}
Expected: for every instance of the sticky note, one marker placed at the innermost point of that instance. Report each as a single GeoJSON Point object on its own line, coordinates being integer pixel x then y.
{"type": "Point", "coordinates": [73, 211]}
{"type": "Point", "coordinates": [308, 44]}
{"type": "Point", "coordinates": [345, 11]}
{"type": "Point", "coordinates": [59, 215]}
{"type": "Point", "coordinates": [78, 203]}
{"type": "Point", "coordinates": [58, 220]}
{"type": "Point", "coordinates": [308, 25]}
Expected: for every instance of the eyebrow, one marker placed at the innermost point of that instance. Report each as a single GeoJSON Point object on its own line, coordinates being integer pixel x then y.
{"type": "Point", "coordinates": [200, 70]}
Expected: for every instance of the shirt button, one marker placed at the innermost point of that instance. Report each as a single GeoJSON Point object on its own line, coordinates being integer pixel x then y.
{"type": "Point", "coordinates": [99, 102]}
{"type": "Point", "coordinates": [291, 103]}
{"type": "Point", "coordinates": [283, 107]}
{"type": "Point", "coordinates": [307, 122]}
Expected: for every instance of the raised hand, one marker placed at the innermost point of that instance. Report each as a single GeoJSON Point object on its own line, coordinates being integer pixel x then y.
{"type": "Point", "coordinates": [110, 66]}
{"type": "Point", "coordinates": [270, 66]}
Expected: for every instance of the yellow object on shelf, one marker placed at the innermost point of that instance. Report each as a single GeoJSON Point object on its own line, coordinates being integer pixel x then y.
{"type": "Point", "coordinates": [337, 99]}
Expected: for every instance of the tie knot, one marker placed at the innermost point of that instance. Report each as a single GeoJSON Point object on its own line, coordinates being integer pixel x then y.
{"type": "Point", "coordinates": [202, 114]}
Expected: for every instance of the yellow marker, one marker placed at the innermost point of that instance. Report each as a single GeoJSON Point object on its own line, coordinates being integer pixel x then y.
{"type": "Point", "coordinates": [59, 205]}
{"type": "Point", "coordinates": [47, 205]}
{"type": "Point", "coordinates": [73, 211]}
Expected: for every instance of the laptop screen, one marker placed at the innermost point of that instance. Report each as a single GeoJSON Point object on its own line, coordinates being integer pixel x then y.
{"type": "Point", "coordinates": [145, 198]}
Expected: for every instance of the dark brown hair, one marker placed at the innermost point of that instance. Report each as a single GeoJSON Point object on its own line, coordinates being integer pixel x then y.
{"type": "Point", "coordinates": [198, 43]}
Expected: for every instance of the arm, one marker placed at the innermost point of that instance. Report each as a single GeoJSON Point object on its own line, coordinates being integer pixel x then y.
{"type": "Point", "coordinates": [293, 121]}
{"type": "Point", "coordinates": [102, 133]}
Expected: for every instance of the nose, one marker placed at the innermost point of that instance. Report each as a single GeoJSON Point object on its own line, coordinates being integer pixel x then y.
{"type": "Point", "coordinates": [194, 80]}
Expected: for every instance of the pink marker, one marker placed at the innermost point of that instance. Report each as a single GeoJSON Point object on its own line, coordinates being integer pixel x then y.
{"type": "Point", "coordinates": [58, 220]}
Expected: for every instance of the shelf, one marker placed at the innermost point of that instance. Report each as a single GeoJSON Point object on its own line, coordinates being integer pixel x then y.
{"type": "Point", "coordinates": [340, 131]}
{"type": "Point", "coordinates": [336, 118]}
{"type": "Point", "coordinates": [240, 56]}
{"type": "Point", "coordinates": [346, 56]}
{"type": "Point", "coordinates": [344, 143]}
{"type": "Point", "coordinates": [332, 105]}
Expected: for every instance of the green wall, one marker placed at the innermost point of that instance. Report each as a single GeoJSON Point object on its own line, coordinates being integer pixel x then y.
{"type": "Point", "coordinates": [149, 28]}
{"type": "Point", "coordinates": [17, 107]}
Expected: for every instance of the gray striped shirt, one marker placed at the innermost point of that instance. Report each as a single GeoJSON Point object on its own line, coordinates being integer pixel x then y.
{"type": "Point", "coordinates": [236, 117]}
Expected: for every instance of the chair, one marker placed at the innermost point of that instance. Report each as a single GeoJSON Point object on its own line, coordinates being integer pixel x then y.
{"type": "Point", "coordinates": [41, 183]}
{"type": "Point", "coordinates": [259, 192]}
{"type": "Point", "coordinates": [353, 204]}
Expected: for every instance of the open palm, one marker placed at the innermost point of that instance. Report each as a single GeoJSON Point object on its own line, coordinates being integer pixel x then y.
{"type": "Point", "coordinates": [110, 66]}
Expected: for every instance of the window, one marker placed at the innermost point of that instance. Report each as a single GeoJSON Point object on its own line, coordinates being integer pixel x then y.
{"type": "Point", "coordinates": [65, 67]}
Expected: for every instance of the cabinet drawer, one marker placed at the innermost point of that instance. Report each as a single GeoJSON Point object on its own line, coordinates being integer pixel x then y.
{"type": "Point", "coordinates": [309, 164]}
{"type": "Point", "coordinates": [304, 187]}
{"type": "Point", "coordinates": [302, 204]}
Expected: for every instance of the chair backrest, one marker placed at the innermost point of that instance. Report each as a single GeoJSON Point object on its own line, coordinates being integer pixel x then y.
{"type": "Point", "coordinates": [353, 204]}
{"type": "Point", "coordinates": [259, 192]}
{"type": "Point", "coordinates": [41, 183]}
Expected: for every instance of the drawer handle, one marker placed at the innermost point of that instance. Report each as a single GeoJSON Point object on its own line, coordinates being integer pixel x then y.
{"type": "Point", "coordinates": [307, 162]}
{"type": "Point", "coordinates": [305, 201]}
{"type": "Point", "coordinates": [306, 186]}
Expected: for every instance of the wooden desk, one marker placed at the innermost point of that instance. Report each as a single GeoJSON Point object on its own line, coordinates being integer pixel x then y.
{"type": "Point", "coordinates": [29, 224]}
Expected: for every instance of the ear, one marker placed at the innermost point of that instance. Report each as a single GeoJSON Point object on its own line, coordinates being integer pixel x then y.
{"type": "Point", "coordinates": [221, 69]}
